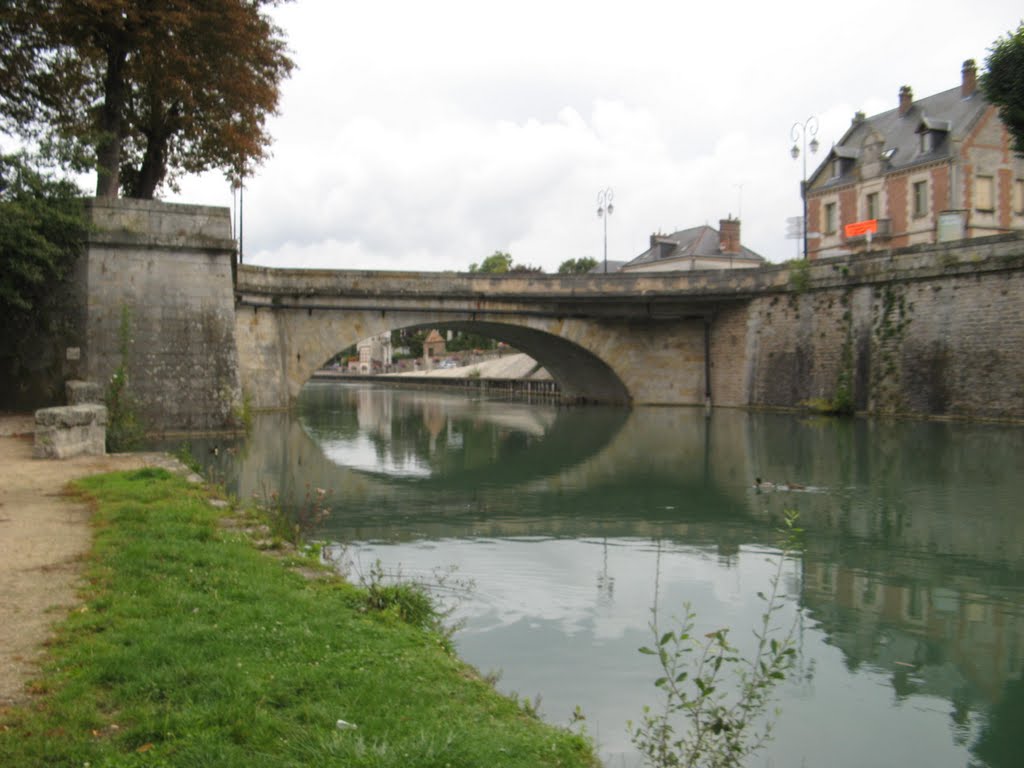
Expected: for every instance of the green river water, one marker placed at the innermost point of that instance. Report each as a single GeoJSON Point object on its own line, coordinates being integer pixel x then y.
{"type": "Point", "coordinates": [572, 523]}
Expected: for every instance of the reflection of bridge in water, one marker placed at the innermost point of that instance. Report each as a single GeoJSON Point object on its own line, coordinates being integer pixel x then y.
{"type": "Point", "coordinates": [920, 580]}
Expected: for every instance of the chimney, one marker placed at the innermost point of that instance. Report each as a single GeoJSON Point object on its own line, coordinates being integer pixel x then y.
{"type": "Point", "coordinates": [970, 79]}
{"type": "Point", "coordinates": [906, 100]}
{"type": "Point", "coordinates": [729, 235]}
{"type": "Point", "coordinates": [858, 118]}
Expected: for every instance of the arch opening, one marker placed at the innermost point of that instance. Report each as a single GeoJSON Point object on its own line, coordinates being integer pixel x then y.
{"type": "Point", "coordinates": [581, 375]}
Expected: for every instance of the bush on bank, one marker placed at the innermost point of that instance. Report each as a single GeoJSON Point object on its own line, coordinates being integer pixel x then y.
{"type": "Point", "coordinates": [191, 648]}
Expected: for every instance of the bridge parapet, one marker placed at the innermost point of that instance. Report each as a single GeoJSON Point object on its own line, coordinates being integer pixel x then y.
{"type": "Point", "coordinates": [258, 285]}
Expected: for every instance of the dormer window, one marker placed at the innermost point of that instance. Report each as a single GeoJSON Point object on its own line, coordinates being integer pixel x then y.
{"type": "Point", "coordinates": [841, 166]}
{"type": "Point", "coordinates": [843, 160]}
{"type": "Point", "coordinates": [931, 133]}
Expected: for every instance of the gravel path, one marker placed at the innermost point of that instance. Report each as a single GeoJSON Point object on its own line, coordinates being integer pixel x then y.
{"type": "Point", "coordinates": [44, 536]}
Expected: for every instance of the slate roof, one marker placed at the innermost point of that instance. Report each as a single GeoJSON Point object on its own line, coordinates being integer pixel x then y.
{"type": "Point", "coordinates": [949, 115]}
{"type": "Point", "coordinates": [702, 241]}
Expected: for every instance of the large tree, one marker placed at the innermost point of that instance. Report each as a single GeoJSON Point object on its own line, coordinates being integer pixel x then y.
{"type": "Point", "coordinates": [146, 89]}
{"type": "Point", "coordinates": [1003, 83]}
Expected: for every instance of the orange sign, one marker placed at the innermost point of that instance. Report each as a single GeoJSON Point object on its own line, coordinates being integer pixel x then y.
{"type": "Point", "coordinates": [859, 228]}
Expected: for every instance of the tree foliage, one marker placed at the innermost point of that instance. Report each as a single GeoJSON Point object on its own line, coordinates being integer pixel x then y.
{"type": "Point", "coordinates": [500, 263]}
{"type": "Point", "coordinates": [1003, 83]}
{"type": "Point", "coordinates": [42, 231]}
{"type": "Point", "coordinates": [578, 266]}
{"type": "Point", "coordinates": [140, 90]}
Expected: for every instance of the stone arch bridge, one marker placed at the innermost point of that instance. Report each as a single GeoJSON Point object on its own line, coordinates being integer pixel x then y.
{"type": "Point", "coordinates": [925, 330]}
{"type": "Point", "coordinates": [604, 338]}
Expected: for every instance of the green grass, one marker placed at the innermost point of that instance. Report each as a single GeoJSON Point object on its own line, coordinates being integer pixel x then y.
{"type": "Point", "coordinates": [194, 649]}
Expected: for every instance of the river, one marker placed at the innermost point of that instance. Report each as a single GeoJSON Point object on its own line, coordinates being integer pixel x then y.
{"type": "Point", "coordinates": [573, 523]}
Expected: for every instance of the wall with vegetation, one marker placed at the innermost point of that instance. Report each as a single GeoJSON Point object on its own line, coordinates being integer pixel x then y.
{"type": "Point", "coordinates": [930, 330]}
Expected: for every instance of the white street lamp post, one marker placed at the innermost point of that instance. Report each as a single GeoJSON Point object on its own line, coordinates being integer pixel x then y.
{"type": "Point", "coordinates": [604, 210]}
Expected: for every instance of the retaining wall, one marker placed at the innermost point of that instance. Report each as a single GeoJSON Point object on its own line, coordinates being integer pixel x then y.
{"type": "Point", "coordinates": [936, 331]}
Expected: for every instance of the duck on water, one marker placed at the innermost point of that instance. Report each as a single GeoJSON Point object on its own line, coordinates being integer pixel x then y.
{"type": "Point", "coordinates": [765, 485]}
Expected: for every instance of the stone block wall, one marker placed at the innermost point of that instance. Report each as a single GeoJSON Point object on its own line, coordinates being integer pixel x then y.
{"type": "Point", "coordinates": [730, 349]}
{"type": "Point", "coordinates": [158, 297]}
{"type": "Point", "coordinates": [69, 431]}
{"type": "Point", "coordinates": [936, 331]}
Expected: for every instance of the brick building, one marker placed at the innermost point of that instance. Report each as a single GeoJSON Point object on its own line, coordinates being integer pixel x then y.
{"type": "Point", "coordinates": [936, 169]}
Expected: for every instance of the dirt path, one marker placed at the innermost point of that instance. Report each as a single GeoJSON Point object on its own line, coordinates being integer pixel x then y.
{"type": "Point", "coordinates": [43, 538]}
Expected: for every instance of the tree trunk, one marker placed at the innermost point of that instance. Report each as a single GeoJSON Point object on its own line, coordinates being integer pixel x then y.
{"type": "Point", "coordinates": [111, 117]}
{"type": "Point", "coordinates": [154, 166]}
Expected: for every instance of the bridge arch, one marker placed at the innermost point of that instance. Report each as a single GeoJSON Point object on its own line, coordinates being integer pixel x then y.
{"type": "Point", "coordinates": [281, 348]}
{"type": "Point", "coordinates": [580, 373]}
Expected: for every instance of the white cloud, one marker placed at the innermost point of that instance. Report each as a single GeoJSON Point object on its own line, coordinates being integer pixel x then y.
{"type": "Point", "coordinates": [426, 136]}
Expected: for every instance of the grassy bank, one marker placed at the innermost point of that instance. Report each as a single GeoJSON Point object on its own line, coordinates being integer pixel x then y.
{"type": "Point", "coordinates": [192, 648]}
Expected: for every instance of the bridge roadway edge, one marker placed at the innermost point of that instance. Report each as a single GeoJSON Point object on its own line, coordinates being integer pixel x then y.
{"type": "Point", "coordinates": [923, 331]}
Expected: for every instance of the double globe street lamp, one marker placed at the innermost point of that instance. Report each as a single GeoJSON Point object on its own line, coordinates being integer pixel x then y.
{"type": "Point", "coordinates": [801, 132]}
{"type": "Point", "coordinates": [604, 210]}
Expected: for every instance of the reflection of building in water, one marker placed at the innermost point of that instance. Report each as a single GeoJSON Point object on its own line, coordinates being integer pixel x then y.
{"type": "Point", "coordinates": [435, 419]}
{"type": "Point", "coordinates": [374, 354]}
{"type": "Point", "coordinates": [938, 632]}
{"type": "Point", "coordinates": [373, 412]}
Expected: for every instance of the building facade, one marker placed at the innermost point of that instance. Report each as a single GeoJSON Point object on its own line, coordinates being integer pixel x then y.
{"type": "Point", "coordinates": [374, 354]}
{"type": "Point", "coordinates": [937, 169]}
{"type": "Point", "coordinates": [434, 345]}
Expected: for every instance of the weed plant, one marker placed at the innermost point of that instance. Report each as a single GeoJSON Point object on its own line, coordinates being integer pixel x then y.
{"type": "Point", "coordinates": [426, 603]}
{"type": "Point", "coordinates": [293, 525]}
{"type": "Point", "coordinates": [124, 427]}
{"type": "Point", "coordinates": [192, 648]}
{"type": "Point", "coordinates": [715, 702]}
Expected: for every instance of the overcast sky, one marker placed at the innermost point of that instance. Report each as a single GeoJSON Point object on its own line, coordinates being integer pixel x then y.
{"type": "Point", "coordinates": [427, 135]}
